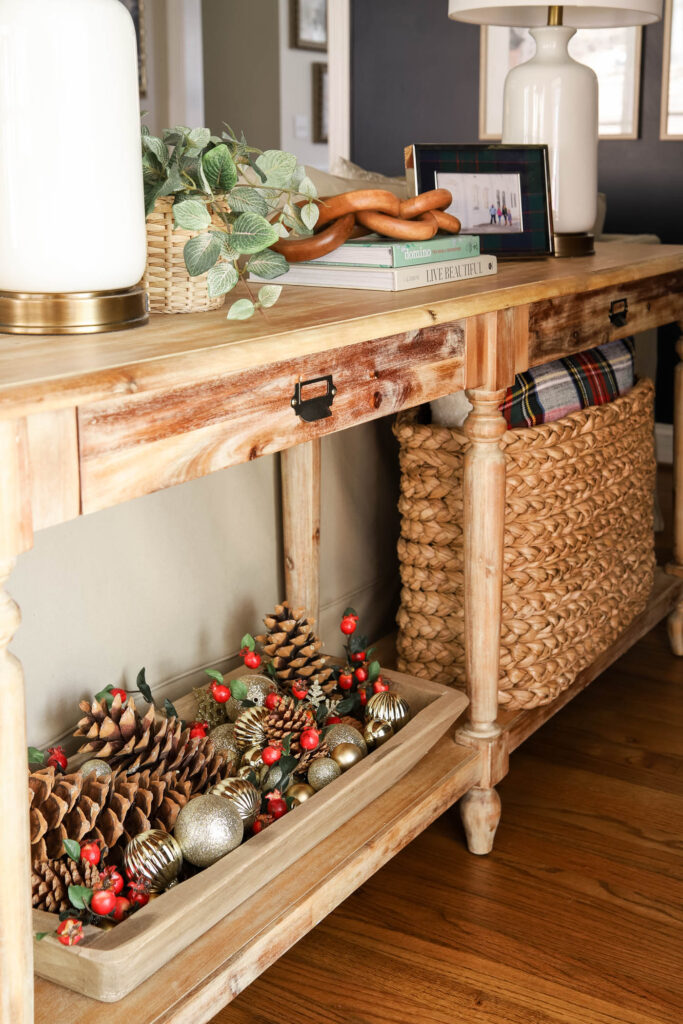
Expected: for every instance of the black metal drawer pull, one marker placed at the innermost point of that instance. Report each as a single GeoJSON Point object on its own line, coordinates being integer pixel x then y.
{"type": "Point", "coordinates": [618, 312]}
{"type": "Point", "coordinates": [319, 406]}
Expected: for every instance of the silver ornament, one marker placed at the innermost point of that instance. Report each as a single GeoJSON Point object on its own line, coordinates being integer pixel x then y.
{"type": "Point", "coordinates": [224, 742]}
{"type": "Point", "coordinates": [207, 828]}
{"type": "Point", "coordinates": [249, 727]}
{"type": "Point", "coordinates": [345, 734]}
{"type": "Point", "coordinates": [243, 794]}
{"type": "Point", "coordinates": [377, 732]}
{"type": "Point", "coordinates": [258, 688]}
{"type": "Point", "coordinates": [155, 856]}
{"type": "Point", "coordinates": [96, 764]}
{"type": "Point", "coordinates": [388, 707]}
{"type": "Point", "coordinates": [323, 771]}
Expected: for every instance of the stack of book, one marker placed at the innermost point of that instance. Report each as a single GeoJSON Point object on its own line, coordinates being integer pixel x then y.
{"type": "Point", "coordinates": [386, 265]}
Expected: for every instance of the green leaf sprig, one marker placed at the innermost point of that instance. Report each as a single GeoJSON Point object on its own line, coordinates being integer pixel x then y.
{"type": "Point", "coordinates": [237, 200]}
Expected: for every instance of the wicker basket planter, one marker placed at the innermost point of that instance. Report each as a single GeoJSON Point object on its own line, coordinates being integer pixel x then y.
{"type": "Point", "coordinates": [579, 547]}
{"type": "Point", "coordinates": [167, 282]}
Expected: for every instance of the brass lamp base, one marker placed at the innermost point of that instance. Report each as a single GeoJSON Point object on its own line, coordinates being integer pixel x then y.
{"type": "Point", "coordinates": [574, 244]}
{"type": "Point", "coordinates": [72, 312]}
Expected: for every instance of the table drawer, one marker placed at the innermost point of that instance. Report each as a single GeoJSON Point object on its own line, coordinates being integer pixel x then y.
{"type": "Point", "coordinates": [138, 444]}
{"type": "Point", "coordinates": [572, 323]}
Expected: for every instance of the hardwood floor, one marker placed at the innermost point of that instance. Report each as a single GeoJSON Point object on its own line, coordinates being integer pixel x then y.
{"type": "Point", "coordinates": [575, 918]}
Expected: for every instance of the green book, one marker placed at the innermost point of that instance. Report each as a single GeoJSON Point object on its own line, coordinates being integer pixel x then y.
{"type": "Point", "coordinates": [374, 251]}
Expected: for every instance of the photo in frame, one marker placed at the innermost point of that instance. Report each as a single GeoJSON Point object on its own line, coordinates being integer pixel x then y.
{"type": "Point", "coordinates": [501, 193]}
{"type": "Point", "coordinates": [671, 126]}
{"type": "Point", "coordinates": [308, 24]}
{"type": "Point", "coordinates": [137, 12]}
{"type": "Point", "coordinates": [613, 53]}
{"type": "Point", "coordinates": [320, 101]}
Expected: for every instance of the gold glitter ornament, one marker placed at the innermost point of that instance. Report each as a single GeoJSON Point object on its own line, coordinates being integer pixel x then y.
{"type": "Point", "coordinates": [300, 792]}
{"type": "Point", "coordinates": [258, 688]}
{"type": "Point", "coordinates": [250, 727]}
{"type": "Point", "coordinates": [345, 734]}
{"type": "Point", "coordinates": [101, 768]}
{"type": "Point", "coordinates": [388, 707]}
{"type": "Point", "coordinates": [207, 828]}
{"type": "Point", "coordinates": [377, 732]}
{"type": "Point", "coordinates": [224, 742]}
{"type": "Point", "coordinates": [154, 856]}
{"type": "Point", "coordinates": [243, 794]}
{"type": "Point", "coordinates": [323, 771]}
{"type": "Point", "coordinates": [346, 755]}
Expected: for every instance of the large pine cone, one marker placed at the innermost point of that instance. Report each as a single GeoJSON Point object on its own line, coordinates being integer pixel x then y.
{"type": "Point", "coordinates": [119, 734]}
{"type": "Point", "coordinates": [50, 881]}
{"type": "Point", "coordinates": [113, 809]}
{"type": "Point", "coordinates": [292, 644]}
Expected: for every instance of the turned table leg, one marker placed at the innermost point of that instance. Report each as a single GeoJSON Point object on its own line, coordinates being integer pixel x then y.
{"type": "Point", "coordinates": [16, 936]}
{"type": "Point", "coordinates": [675, 622]}
{"type": "Point", "coordinates": [484, 515]}
{"type": "Point", "coordinates": [300, 469]}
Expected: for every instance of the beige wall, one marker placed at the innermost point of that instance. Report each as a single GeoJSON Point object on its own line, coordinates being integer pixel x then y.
{"type": "Point", "coordinates": [241, 69]}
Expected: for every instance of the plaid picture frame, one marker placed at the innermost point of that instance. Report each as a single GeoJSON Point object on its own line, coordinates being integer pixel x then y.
{"type": "Point", "coordinates": [436, 166]}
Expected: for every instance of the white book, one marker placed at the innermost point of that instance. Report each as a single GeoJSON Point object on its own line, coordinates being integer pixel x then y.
{"type": "Point", "coordinates": [384, 279]}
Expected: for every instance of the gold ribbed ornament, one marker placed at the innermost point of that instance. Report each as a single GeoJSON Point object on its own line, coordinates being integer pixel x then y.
{"type": "Point", "coordinates": [252, 758]}
{"type": "Point", "coordinates": [377, 732]}
{"type": "Point", "coordinates": [224, 742]}
{"type": "Point", "coordinates": [250, 727]}
{"type": "Point", "coordinates": [346, 755]}
{"type": "Point", "coordinates": [388, 707]}
{"type": "Point", "coordinates": [323, 771]}
{"type": "Point", "coordinates": [154, 856]}
{"type": "Point", "coordinates": [207, 828]}
{"type": "Point", "coordinates": [345, 734]}
{"type": "Point", "coordinates": [243, 794]}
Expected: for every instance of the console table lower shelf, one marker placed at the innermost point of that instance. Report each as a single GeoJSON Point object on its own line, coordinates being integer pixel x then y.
{"type": "Point", "coordinates": [214, 969]}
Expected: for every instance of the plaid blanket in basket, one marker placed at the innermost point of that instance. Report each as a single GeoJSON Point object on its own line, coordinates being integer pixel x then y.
{"type": "Point", "coordinates": [548, 392]}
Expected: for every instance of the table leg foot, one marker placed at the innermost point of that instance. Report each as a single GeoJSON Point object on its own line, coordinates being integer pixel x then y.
{"type": "Point", "coordinates": [675, 628]}
{"type": "Point", "coordinates": [480, 812]}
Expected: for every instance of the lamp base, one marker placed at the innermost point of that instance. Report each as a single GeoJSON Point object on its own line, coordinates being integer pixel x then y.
{"type": "Point", "coordinates": [72, 312]}
{"type": "Point", "coordinates": [573, 244]}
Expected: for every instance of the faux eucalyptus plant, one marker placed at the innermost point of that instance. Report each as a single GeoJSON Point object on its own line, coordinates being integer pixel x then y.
{"type": "Point", "coordinates": [241, 200]}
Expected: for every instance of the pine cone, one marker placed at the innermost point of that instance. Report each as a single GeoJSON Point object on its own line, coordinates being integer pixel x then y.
{"type": "Point", "coordinates": [113, 809]}
{"type": "Point", "coordinates": [353, 722]}
{"type": "Point", "coordinates": [293, 646]}
{"type": "Point", "coordinates": [50, 881]}
{"type": "Point", "coordinates": [308, 756]}
{"type": "Point", "coordinates": [289, 719]}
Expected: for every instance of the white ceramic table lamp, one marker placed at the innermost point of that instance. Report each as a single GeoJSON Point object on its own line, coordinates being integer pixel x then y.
{"type": "Point", "coordinates": [72, 221]}
{"type": "Point", "coordinates": [553, 99]}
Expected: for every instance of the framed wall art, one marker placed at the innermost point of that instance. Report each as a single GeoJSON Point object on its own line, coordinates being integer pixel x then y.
{"type": "Point", "coordinates": [308, 24]}
{"type": "Point", "coordinates": [501, 193]}
{"type": "Point", "coordinates": [320, 101]}
{"type": "Point", "coordinates": [671, 126]}
{"type": "Point", "coordinates": [613, 53]}
{"type": "Point", "coordinates": [137, 10]}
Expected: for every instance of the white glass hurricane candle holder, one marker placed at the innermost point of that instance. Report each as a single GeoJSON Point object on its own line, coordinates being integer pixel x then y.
{"type": "Point", "coordinates": [72, 236]}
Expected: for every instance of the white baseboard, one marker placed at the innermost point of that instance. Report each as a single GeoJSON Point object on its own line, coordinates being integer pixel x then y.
{"type": "Point", "coordinates": [664, 440]}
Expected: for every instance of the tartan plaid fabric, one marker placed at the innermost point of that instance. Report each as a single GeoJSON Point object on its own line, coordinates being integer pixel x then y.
{"type": "Point", "coordinates": [547, 392]}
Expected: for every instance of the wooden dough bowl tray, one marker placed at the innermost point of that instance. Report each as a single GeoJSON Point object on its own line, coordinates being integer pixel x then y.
{"type": "Point", "coordinates": [107, 965]}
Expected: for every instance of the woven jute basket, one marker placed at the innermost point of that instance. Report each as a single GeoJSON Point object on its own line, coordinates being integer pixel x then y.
{"type": "Point", "coordinates": [166, 281]}
{"type": "Point", "coordinates": [579, 545]}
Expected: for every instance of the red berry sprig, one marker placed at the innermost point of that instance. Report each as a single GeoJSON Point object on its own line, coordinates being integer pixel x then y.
{"type": "Point", "coordinates": [69, 931]}
{"type": "Point", "coordinates": [272, 701]}
{"type": "Point", "coordinates": [110, 878]}
{"type": "Point", "coordinates": [277, 805]}
{"type": "Point", "coordinates": [198, 730]}
{"type": "Point", "coordinates": [138, 892]}
{"type": "Point", "coordinates": [220, 692]}
{"type": "Point", "coordinates": [309, 739]}
{"type": "Point", "coordinates": [379, 686]}
{"type": "Point", "coordinates": [345, 681]}
{"type": "Point", "coordinates": [348, 624]}
{"type": "Point", "coordinates": [252, 659]}
{"type": "Point", "coordinates": [57, 758]}
{"type": "Point", "coordinates": [361, 674]}
{"type": "Point", "coordinates": [121, 908]}
{"type": "Point", "coordinates": [262, 821]}
{"type": "Point", "coordinates": [271, 753]}
{"type": "Point", "coordinates": [103, 901]}
{"type": "Point", "coordinates": [91, 853]}
{"type": "Point", "coordinates": [116, 691]}
{"type": "Point", "coordinates": [299, 690]}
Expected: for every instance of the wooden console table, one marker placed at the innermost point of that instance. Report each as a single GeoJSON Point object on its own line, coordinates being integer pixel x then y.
{"type": "Point", "coordinates": [88, 422]}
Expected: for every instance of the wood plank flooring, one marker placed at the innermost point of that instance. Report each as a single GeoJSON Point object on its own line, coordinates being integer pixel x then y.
{"type": "Point", "coordinates": [575, 918]}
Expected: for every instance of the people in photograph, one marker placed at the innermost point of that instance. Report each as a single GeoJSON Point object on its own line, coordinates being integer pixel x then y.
{"type": "Point", "coordinates": [492, 211]}
{"type": "Point", "coordinates": [500, 214]}
{"type": "Point", "coordinates": [505, 215]}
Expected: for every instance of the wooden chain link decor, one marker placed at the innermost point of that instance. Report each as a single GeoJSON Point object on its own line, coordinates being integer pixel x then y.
{"type": "Point", "coordinates": [372, 209]}
{"type": "Point", "coordinates": [579, 548]}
